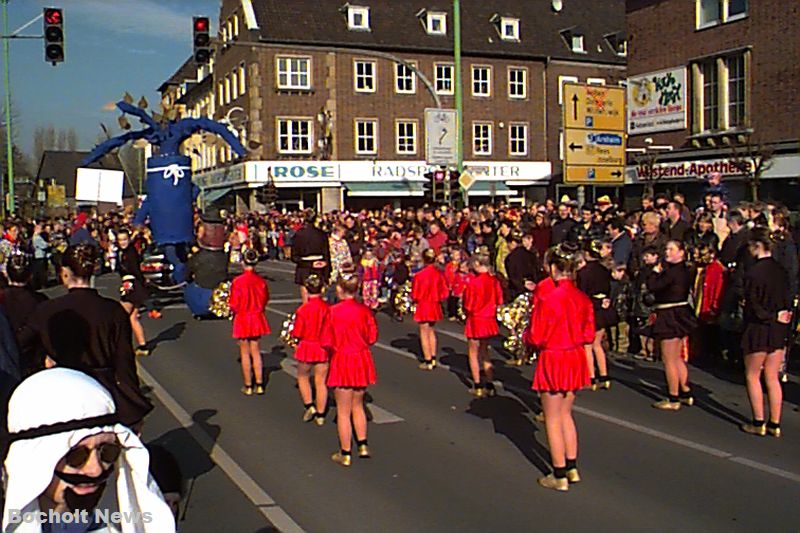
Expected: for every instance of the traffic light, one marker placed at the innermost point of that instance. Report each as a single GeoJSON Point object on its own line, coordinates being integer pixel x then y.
{"type": "Point", "coordinates": [267, 195]}
{"type": "Point", "coordinates": [201, 27]}
{"type": "Point", "coordinates": [53, 35]}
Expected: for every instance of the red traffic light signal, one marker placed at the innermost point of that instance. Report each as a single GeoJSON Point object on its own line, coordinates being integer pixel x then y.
{"type": "Point", "coordinates": [53, 34]}
{"type": "Point", "coordinates": [201, 24]}
{"type": "Point", "coordinates": [439, 175]}
{"type": "Point", "coordinates": [201, 40]}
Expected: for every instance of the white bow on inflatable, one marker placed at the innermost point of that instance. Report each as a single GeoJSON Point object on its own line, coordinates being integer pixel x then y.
{"type": "Point", "coordinates": [175, 172]}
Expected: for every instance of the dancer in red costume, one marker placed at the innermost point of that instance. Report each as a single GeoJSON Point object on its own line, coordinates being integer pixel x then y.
{"type": "Point", "coordinates": [428, 291]}
{"type": "Point", "coordinates": [249, 296]}
{"type": "Point", "coordinates": [312, 319]}
{"type": "Point", "coordinates": [562, 323]}
{"type": "Point", "coordinates": [352, 369]}
{"type": "Point", "coordinates": [481, 297]}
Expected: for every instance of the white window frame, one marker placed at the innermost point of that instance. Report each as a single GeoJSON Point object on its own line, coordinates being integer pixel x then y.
{"type": "Point", "coordinates": [357, 136]}
{"type": "Point", "coordinates": [234, 85]}
{"type": "Point", "coordinates": [227, 89]}
{"type": "Point", "coordinates": [452, 68]}
{"type": "Point", "coordinates": [229, 28]}
{"type": "Point", "coordinates": [352, 11]}
{"type": "Point", "coordinates": [221, 92]}
{"type": "Point", "coordinates": [292, 133]}
{"type": "Point", "coordinates": [732, 18]}
{"type": "Point", "coordinates": [490, 127]}
{"type": "Point", "coordinates": [505, 23]}
{"type": "Point", "coordinates": [242, 72]}
{"type": "Point", "coordinates": [414, 123]}
{"type": "Point", "coordinates": [723, 95]}
{"type": "Point", "coordinates": [364, 77]}
{"type": "Point", "coordinates": [430, 16]}
{"type": "Point", "coordinates": [525, 140]}
{"type": "Point", "coordinates": [561, 81]}
{"type": "Point", "coordinates": [724, 7]}
{"type": "Point", "coordinates": [595, 81]}
{"type": "Point", "coordinates": [524, 83]}
{"type": "Point", "coordinates": [235, 25]}
{"type": "Point", "coordinates": [581, 41]}
{"type": "Point", "coordinates": [289, 73]}
{"type": "Point", "coordinates": [487, 81]}
{"type": "Point", "coordinates": [397, 78]}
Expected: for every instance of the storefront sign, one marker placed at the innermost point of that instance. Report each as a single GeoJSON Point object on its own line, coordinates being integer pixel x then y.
{"type": "Point", "coordinates": [224, 177]}
{"type": "Point", "coordinates": [688, 169]}
{"type": "Point", "coordinates": [657, 101]}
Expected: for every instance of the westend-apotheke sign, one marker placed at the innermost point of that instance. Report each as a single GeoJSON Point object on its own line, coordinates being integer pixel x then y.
{"type": "Point", "coordinates": [689, 169]}
{"type": "Point", "coordinates": [657, 101]}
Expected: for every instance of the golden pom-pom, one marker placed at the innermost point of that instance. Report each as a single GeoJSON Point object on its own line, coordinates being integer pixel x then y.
{"type": "Point", "coordinates": [402, 300]}
{"type": "Point", "coordinates": [220, 301]}
{"type": "Point", "coordinates": [286, 332]}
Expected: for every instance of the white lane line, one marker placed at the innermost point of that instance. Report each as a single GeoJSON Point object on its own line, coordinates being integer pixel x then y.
{"type": "Point", "coordinates": [263, 502]}
{"type": "Point", "coordinates": [379, 414]}
{"type": "Point", "coordinates": [686, 443]}
{"type": "Point", "coordinates": [278, 301]}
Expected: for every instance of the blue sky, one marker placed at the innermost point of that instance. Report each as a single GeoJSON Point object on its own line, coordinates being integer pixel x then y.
{"type": "Point", "coordinates": [111, 46]}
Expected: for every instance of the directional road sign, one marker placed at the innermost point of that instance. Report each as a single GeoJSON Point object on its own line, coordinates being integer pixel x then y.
{"type": "Point", "coordinates": [466, 180]}
{"type": "Point", "coordinates": [440, 137]}
{"type": "Point", "coordinates": [594, 134]}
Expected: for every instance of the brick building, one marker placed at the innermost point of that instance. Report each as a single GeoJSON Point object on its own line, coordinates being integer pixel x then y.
{"type": "Point", "coordinates": [717, 81]}
{"type": "Point", "coordinates": [332, 118]}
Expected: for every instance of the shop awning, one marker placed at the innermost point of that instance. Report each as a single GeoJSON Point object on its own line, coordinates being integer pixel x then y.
{"type": "Point", "coordinates": [491, 188]}
{"type": "Point", "coordinates": [212, 195]}
{"type": "Point", "coordinates": [388, 189]}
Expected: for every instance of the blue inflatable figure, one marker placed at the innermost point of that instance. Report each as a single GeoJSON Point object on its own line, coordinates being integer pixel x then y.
{"type": "Point", "coordinates": [169, 206]}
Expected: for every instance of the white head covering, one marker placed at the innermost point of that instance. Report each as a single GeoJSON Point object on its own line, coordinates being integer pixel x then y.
{"type": "Point", "coordinates": [61, 396]}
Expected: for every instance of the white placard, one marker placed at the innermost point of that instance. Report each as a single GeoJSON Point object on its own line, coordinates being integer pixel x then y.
{"type": "Point", "coordinates": [99, 185]}
{"type": "Point", "coordinates": [657, 101]}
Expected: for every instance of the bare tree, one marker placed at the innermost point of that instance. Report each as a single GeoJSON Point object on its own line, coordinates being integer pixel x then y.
{"type": "Point", "coordinates": [752, 158]}
{"type": "Point", "coordinates": [61, 142]}
{"type": "Point", "coordinates": [648, 170]}
{"type": "Point", "coordinates": [72, 140]}
{"type": "Point", "coordinates": [50, 137]}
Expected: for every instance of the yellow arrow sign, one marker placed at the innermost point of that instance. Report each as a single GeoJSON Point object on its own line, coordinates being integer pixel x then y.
{"type": "Point", "coordinates": [592, 174]}
{"type": "Point", "coordinates": [596, 148]}
{"type": "Point", "coordinates": [594, 107]}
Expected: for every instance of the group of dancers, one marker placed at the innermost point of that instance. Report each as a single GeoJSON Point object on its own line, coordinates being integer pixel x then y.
{"type": "Point", "coordinates": [571, 310]}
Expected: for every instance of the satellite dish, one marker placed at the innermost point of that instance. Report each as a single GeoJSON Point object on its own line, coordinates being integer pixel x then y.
{"type": "Point", "coordinates": [558, 5]}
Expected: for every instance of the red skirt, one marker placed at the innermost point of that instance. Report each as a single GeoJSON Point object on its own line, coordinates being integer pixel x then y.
{"type": "Point", "coordinates": [311, 352]}
{"type": "Point", "coordinates": [250, 325]}
{"type": "Point", "coordinates": [561, 371]}
{"type": "Point", "coordinates": [428, 312]}
{"type": "Point", "coordinates": [352, 370]}
{"type": "Point", "coordinates": [480, 328]}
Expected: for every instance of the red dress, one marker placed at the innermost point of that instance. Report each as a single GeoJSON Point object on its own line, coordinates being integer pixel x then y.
{"type": "Point", "coordinates": [481, 297]}
{"type": "Point", "coordinates": [562, 323]}
{"type": "Point", "coordinates": [456, 280]}
{"type": "Point", "coordinates": [249, 297]}
{"type": "Point", "coordinates": [428, 290]}
{"type": "Point", "coordinates": [310, 323]}
{"type": "Point", "coordinates": [353, 331]}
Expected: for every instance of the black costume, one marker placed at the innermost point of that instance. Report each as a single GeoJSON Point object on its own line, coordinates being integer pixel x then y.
{"type": "Point", "coordinates": [561, 229]}
{"type": "Point", "coordinates": [18, 304]}
{"type": "Point", "coordinates": [765, 295]}
{"type": "Point", "coordinates": [129, 264]}
{"type": "Point", "coordinates": [310, 245]}
{"type": "Point", "coordinates": [677, 232]}
{"type": "Point", "coordinates": [86, 332]}
{"type": "Point", "coordinates": [595, 281]}
{"type": "Point", "coordinates": [671, 288]}
{"type": "Point", "coordinates": [521, 265]}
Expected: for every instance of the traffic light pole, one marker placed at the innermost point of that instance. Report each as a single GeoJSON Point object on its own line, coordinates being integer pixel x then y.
{"type": "Point", "coordinates": [9, 140]}
{"type": "Point", "coordinates": [459, 96]}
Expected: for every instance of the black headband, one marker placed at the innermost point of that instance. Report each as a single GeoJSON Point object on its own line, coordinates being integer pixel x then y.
{"type": "Point", "coordinates": [62, 427]}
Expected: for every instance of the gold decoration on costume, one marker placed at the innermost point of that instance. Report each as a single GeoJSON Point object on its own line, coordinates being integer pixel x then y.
{"type": "Point", "coordinates": [220, 301]}
{"type": "Point", "coordinates": [516, 316]}
{"type": "Point", "coordinates": [286, 332]}
{"type": "Point", "coordinates": [402, 300]}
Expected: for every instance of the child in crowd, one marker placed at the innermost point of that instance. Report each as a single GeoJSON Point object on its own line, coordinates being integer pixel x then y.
{"type": "Point", "coordinates": [311, 320]}
{"type": "Point", "coordinates": [370, 271]}
{"type": "Point", "coordinates": [248, 298]}
{"type": "Point", "coordinates": [352, 369]}
{"type": "Point", "coordinates": [642, 305]}
{"type": "Point", "coordinates": [455, 274]}
{"type": "Point", "coordinates": [621, 300]}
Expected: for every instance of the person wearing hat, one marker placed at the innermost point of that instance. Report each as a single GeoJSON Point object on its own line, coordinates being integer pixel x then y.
{"type": "Point", "coordinates": [248, 298]}
{"type": "Point", "coordinates": [207, 267]}
{"type": "Point", "coordinates": [71, 465]}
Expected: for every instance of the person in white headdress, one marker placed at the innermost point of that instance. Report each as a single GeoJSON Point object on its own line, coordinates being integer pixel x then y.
{"type": "Point", "coordinates": [71, 467]}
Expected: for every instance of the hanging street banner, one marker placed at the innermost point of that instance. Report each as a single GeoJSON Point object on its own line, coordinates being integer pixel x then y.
{"type": "Point", "coordinates": [594, 134]}
{"type": "Point", "coordinates": [657, 101]}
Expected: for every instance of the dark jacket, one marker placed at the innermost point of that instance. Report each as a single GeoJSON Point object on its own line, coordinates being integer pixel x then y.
{"type": "Point", "coordinates": [521, 265]}
{"type": "Point", "coordinates": [560, 230]}
{"type": "Point", "coordinates": [86, 332]}
{"type": "Point", "coordinates": [678, 232]}
{"type": "Point", "coordinates": [208, 268]}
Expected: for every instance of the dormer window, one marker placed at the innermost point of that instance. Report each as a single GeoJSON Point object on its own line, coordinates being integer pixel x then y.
{"type": "Point", "coordinates": [509, 28]}
{"type": "Point", "coordinates": [436, 23]}
{"type": "Point", "coordinates": [617, 43]}
{"type": "Point", "coordinates": [574, 40]}
{"type": "Point", "coordinates": [357, 18]}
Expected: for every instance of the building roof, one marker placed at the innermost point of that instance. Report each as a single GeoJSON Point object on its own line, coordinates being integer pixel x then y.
{"type": "Point", "coordinates": [186, 72]}
{"type": "Point", "coordinates": [396, 26]}
{"type": "Point", "coordinates": [62, 167]}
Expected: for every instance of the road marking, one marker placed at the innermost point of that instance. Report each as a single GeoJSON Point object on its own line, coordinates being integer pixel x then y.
{"type": "Point", "coordinates": [661, 435]}
{"type": "Point", "coordinates": [263, 502]}
{"type": "Point", "coordinates": [379, 414]}
{"type": "Point", "coordinates": [277, 269]}
{"type": "Point", "coordinates": [278, 301]}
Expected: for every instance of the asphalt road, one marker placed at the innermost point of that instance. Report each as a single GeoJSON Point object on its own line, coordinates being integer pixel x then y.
{"type": "Point", "coordinates": [443, 461]}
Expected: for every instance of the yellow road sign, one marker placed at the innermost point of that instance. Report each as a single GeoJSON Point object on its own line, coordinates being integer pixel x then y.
{"type": "Point", "coordinates": [598, 148]}
{"type": "Point", "coordinates": [591, 174]}
{"type": "Point", "coordinates": [466, 180]}
{"type": "Point", "coordinates": [594, 107]}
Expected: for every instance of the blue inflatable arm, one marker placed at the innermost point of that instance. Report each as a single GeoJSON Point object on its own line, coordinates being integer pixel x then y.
{"type": "Point", "coordinates": [142, 213]}
{"type": "Point", "coordinates": [185, 128]}
{"type": "Point", "coordinates": [139, 113]}
{"type": "Point", "coordinates": [115, 142]}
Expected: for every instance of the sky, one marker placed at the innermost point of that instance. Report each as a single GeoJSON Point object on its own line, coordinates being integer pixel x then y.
{"type": "Point", "coordinates": [112, 46]}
